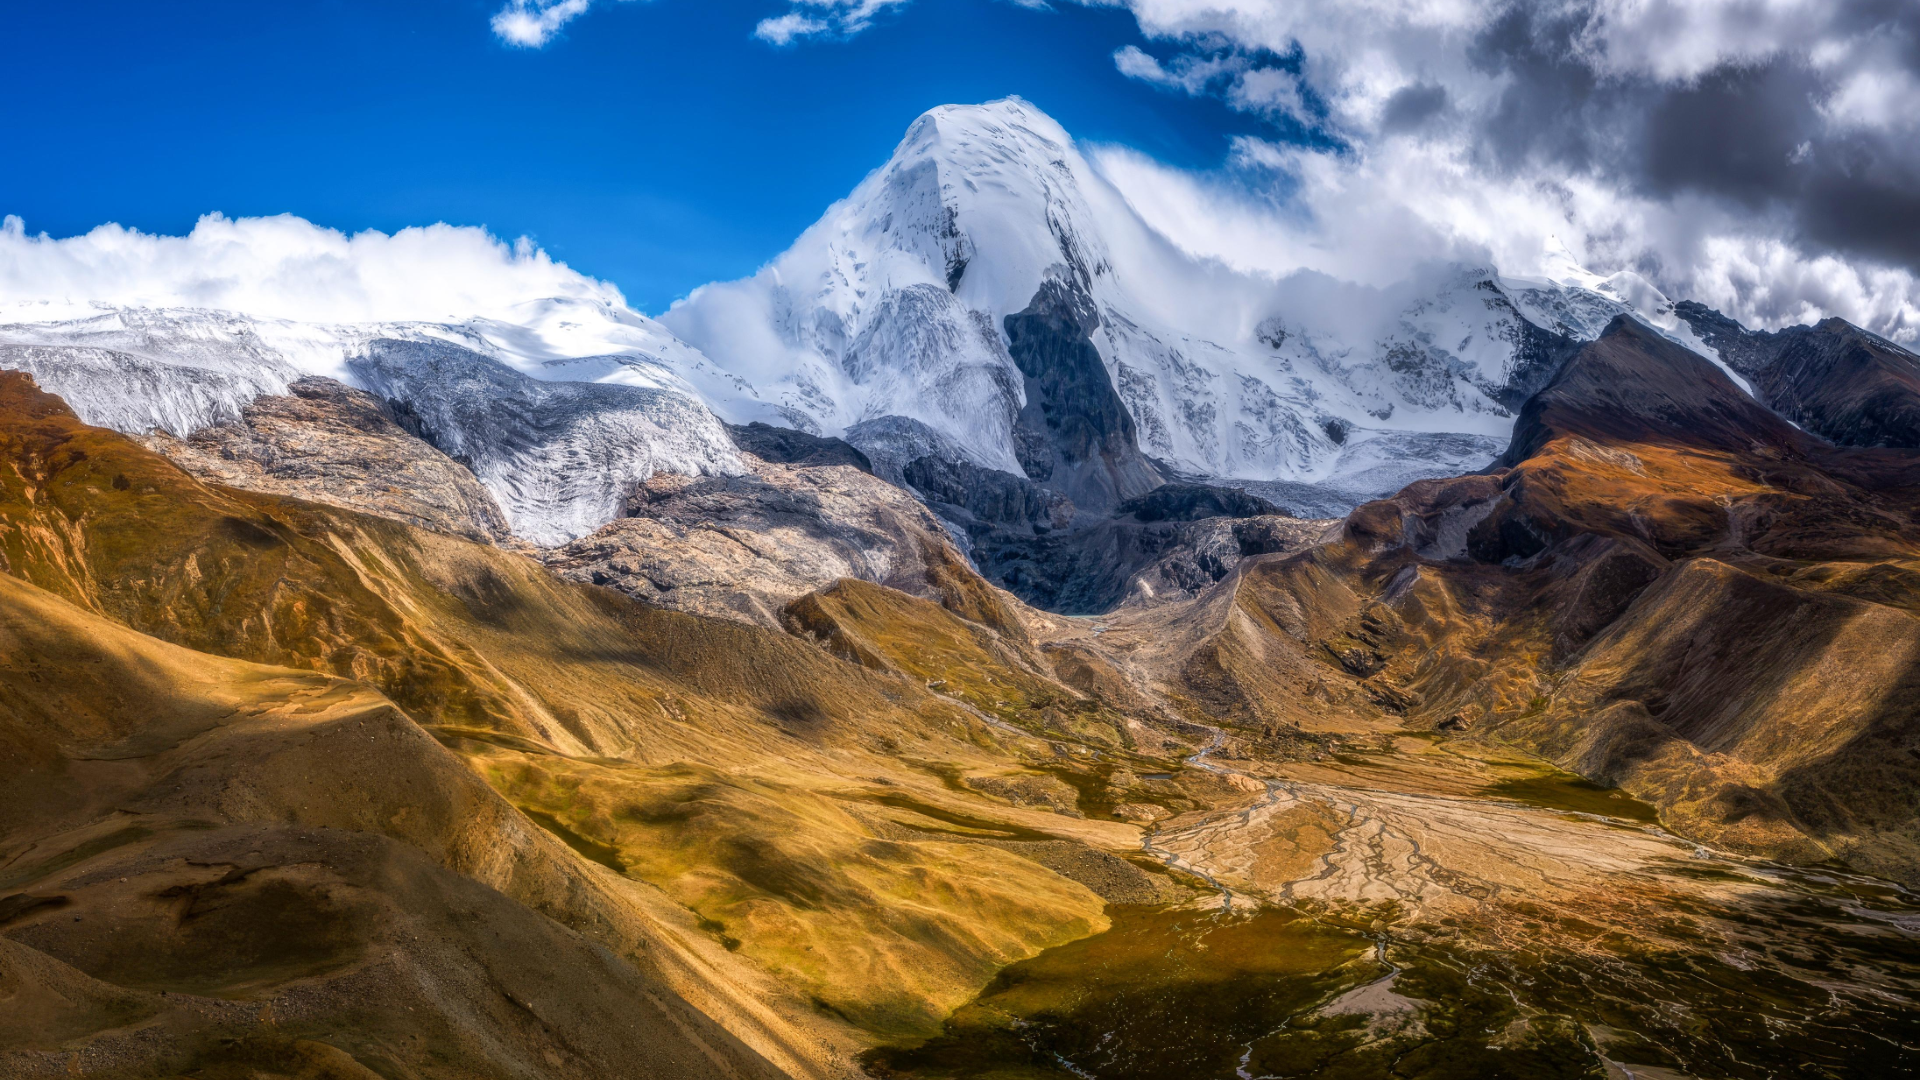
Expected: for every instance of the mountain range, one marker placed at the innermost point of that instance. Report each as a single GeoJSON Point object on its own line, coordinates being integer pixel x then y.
{"type": "Point", "coordinates": [988, 642]}
{"type": "Point", "coordinates": [985, 300]}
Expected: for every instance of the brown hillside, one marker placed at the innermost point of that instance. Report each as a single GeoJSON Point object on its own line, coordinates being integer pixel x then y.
{"type": "Point", "coordinates": [713, 802]}
{"type": "Point", "coordinates": [1669, 590]}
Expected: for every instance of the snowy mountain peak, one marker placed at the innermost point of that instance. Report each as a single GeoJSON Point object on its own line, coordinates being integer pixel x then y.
{"type": "Point", "coordinates": [1008, 182]}
{"type": "Point", "coordinates": [895, 307]}
{"type": "Point", "coordinates": [891, 304]}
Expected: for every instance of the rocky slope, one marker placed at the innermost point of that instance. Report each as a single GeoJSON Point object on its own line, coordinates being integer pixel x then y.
{"type": "Point", "coordinates": [887, 832]}
{"type": "Point", "coordinates": [1141, 553]}
{"type": "Point", "coordinates": [330, 443]}
{"type": "Point", "coordinates": [746, 546]}
{"type": "Point", "coordinates": [566, 752]}
{"type": "Point", "coordinates": [1834, 379]}
{"type": "Point", "coordinates": [235, 869]}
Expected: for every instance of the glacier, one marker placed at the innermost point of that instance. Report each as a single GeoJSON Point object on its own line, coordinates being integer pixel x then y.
{"type": "Point", "coordinates": [560, 413]}
{"type": "Point", "coordinates": [561, 458]}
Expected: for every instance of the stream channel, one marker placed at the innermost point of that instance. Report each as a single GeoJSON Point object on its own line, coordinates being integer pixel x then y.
{"type": "Point", "coordinates": [1350, 931]}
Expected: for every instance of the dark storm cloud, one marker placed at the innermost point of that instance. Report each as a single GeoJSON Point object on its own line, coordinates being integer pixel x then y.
{"type": "Point", "coordinates": [1864, 197]}
{"type": "Point", "coordinates": [1739, 132]}
{"type": "Point", "coordinates": [1751, 135]}
{"type": "Point", "coordinates": [1412, 106]}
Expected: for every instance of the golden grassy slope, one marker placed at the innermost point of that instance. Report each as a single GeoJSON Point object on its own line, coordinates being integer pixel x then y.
{"type": "Point", "coordinates": [219, 866]}
{"type": "Point", "coordinates": [1733, 636]}
{"type": "Point", "coordinates": [591, 712]}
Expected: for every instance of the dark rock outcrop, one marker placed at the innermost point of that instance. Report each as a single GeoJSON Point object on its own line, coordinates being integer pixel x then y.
{"type": "Point", "coordinates": [1834, 379]}
{"type": "Point", "coordinates": [981, 499]}
{"type": "Point", "coordinates": [1538, 356]}
{"type": "Point", "coordinates": [1632, 385]}
{"type": "Point", "coordinates": [787, 446]}
{"type": "Point", "coordinates": [1093, 570]}
{"type": "Point", "coordinates": [1193, 502]}
{"type": "Point", "coordinates": [1074, 434]}
{"type": "Point", "coordinates": [892, 443]}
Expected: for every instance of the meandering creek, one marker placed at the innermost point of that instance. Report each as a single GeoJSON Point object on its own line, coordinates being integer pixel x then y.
{"type": "Point", "coordinates": [1378, 918]}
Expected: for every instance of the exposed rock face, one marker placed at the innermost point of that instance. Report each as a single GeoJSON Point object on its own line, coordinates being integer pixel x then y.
{"type": "Point", "coordinates": [1092, 570]}
{"type": "Point", "coordinates": [786, 446]}
{"type": "Point", "coordinates": [1633, 384]}
{"type": "Point", "coordinates": [1207, 551]}
{"type": "Point", "coordinates": [1538, 353]}
{"type": "Point", "coordinates": [329, 443]}
{"type": "Point", "coordinates": [1193, 502]}
{"type": "Point", "coordinates": [1834, 379]}
{"type": "Point", "coordinates": [742, 547]}
{"type": "Point", "coordinates": [984, 499]}
{"type": "Point", "coordinates": [1092, 511]}
{"type": "Point", "coordinates": [894, 442]}
{"type": "Point", "coordinates": [1074, 434]}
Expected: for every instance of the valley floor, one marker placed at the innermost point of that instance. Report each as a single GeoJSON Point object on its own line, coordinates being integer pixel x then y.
{"type": "Point", "coordinates": [1434, 908]}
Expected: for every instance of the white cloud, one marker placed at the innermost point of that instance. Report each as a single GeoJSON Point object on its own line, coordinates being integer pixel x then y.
{"type": "Point", "coordinates": [785, 29]}
{"type": "Point", "coordinates": [1266, 90]}
{"type": "Point", "coordinates": [1240, 79]}
{"type": "Point", "coordinates": [1683, 39]}
{"type": "Point", "coordinates": [530, 24]}
{"type": "Point", "coordinates": [1375, 215]}
{"type": "Point", "coordinates": [288, 268]}
{"type": "Point", "coordinates": [1134, 63]}
{"type": "Point", "coordinates": [1874, 99]}
{"type": "Point", "coordinates": [822, 18]}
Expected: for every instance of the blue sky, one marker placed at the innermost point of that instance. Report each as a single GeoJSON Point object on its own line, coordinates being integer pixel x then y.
{"type": "Point", "coordinates": [657, 145]}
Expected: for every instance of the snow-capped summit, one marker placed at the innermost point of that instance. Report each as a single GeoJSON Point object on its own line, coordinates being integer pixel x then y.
{"type": "Point", "coordinates": [894, 307]}
{"type": "Point", "coordinates": [890, 305]}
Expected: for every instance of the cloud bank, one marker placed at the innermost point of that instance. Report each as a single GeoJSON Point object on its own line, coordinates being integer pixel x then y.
{"type": "Point", "coordinates": [287, 268]}
{"type": "Point", "coordinates": [1758, 155]}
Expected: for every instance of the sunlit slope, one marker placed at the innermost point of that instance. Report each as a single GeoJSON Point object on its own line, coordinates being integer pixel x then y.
{"type": "Point", "coordinates": [771, 826]}
{"type": "Point", "coordinates": [216, 867]}
{"type": "Point", "coordinates": [1669, 589]}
